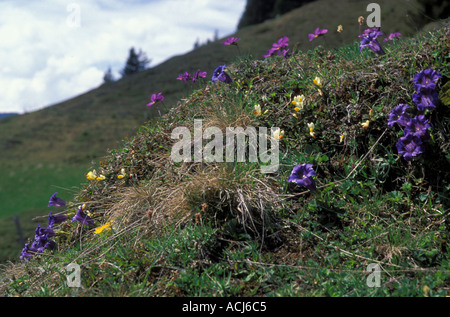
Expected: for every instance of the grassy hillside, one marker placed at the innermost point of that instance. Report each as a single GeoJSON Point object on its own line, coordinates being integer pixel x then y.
{"type": "Point", "coordinates": [226, 229]}
{"type": "Point", "coordinates": [80, 130]}
{"type": "Point", "coordinates": [52, 149]}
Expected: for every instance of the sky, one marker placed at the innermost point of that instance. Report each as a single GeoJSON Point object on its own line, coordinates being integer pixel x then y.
{"type": "Point", "coordinates": [54, 50]}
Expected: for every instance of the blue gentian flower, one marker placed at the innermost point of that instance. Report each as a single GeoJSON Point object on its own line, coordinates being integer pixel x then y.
{"type": "Point", "coordinates": [399, 116]}
{"type": "Point", "coordinates": [302, 175]}
{"type": "Point", "coordinates": [220, 74]}
{"type": "Point", "coordinates": [55, 219]}
{"type": "Point", "coordinates": [419, 126]}
{"type": "Point", "coordinates": [81, 217]}
{"type": "Point", "coordinates": [426, 98]}
{"type": "Point", "coordinates": [28, 251]}
{"type": "Point", "coordinates": [41, 242]}
{"type": "Point", "coordinates": [55, 201]}
{"type": "Point", "coordinates": [370, 40]}
{"type": "Point", "coordinates": [426, 79]}
{"type": "Point", "coordinates": [410, 146]}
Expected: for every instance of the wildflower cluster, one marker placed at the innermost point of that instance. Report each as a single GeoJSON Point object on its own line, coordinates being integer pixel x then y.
{"type": "Point", "coordinates": [279, 47]}
{"type": "Point", "coordinates": [92, 175]}
{"type": "Point", "coordinates": [42, 236]}
{"type": "Point", "coordinates": [416, 129]}
{"type": "Point", "coordinates": [191, 77]}
{"type": "Point", "coordinates": [369, 39]}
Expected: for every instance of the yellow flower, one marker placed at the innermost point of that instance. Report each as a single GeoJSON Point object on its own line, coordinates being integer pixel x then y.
{"type": "Point", "coordinates": [371, 113]}
{"type": "Point", "coordinates": [361, 20]}
{"type": "Point", "coordinates": [341, 138]}
{"type": "Point", "coordinates": [299, 102]}
{"type": "Point", "coordinates": [317, 81]}
{"type": "Point", "coordinates": [257, 110]}
{"type": "Point", "coordinates": [91, 175]}
{"type": "Point", "coordinates": [311, 127]}
{"type": "Point", "coordinates": [365, 125]}
{"type": "Point", "coordinates": [106, 226]}
{"type": "Point", "coordinates": [278, 134]}
{"type": "Point", "coordinates": [340, 28]}
{"type": "Point", "coordinates": [122, 174]}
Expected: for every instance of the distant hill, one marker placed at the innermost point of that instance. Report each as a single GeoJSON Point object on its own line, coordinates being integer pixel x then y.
{"type": "Point", "coordinates": [258, 11]}
{"type": "Point", "coordinates": [8, 114]}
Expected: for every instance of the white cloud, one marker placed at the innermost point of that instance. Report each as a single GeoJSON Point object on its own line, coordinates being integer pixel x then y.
{"type": "Point", "coordinates": [46, 58]}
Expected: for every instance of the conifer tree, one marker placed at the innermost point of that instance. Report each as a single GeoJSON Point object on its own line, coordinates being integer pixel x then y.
{"type": "Point", "coordinates": [136, 62]}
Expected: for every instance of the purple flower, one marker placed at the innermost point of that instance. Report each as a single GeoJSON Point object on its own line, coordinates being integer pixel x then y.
{"type": "Point", "coordinates": [81, 217]}
{"type": "Point", "coordinates": [318, 32]}
{"type": "Point", "coordinates": [410, 146]}
{"type": "Point", "coordinates": [198, 74]}
{"type": "Point", "coordinates": [41, 242]}
{"type": "Point", "coordinates": [399, 116]}
{"type": "Point", "coordinates": [426, 98]}
{"type": "Point", "coordinates": [302, 175]}
{"type": "Point", "coordinates": [55, 219]}
{"type": "Point", "coordinates": [367, 31]}
{"type": "Point", "coordinates": [392, 36]}
{"type": "Point", "coordinates": [419, 126]}
{"type": "Point", "coordinates": [231, 41]}
{"type": "Point", "coordinates": [55, 201]}
{"type": "Point", "coordinates": [155, 98]}
{"type": "Point", "coordinates": [44, 233]}
{"type": "Point", "coordinates": [278, 47]}
{"type": "Point", "coordinates": [426, 79]}
{"type": "Point", "coordinates": [370, 40]}
{"type": "Point", "coordinates": [284, 53]}
{"type": "Point", "coordinates": [28, 251]}
{"type": "Point", "coordinates": [184, 77]}
{"type": "Point", "coordinates": [281, 43]}
{"type": "Point", "coordinates": [220, 74]}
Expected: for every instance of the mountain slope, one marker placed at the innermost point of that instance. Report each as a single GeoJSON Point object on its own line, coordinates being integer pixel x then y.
{"type": "Point", "coordinates": [347, 213]}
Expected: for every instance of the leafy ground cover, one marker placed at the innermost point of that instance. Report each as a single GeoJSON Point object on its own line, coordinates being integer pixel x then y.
{"type": "Point", "coordinates": [161, 228]}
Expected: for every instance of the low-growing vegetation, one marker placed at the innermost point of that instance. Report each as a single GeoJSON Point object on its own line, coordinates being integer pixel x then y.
{"type": "Point", "coordinates": [144, 225]}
